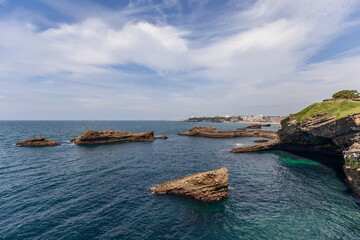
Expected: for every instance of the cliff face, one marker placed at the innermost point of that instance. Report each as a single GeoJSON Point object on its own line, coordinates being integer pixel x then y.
{"type": "Point", "coordinates": [321, 131]}
{"type": "Point", "coordinates": [341, 136]}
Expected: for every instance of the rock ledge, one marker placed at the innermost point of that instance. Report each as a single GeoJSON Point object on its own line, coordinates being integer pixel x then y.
{"type": "Point", "coordinates": [111, 136]}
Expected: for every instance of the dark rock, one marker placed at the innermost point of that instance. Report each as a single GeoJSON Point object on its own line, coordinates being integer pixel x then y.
{"type": "Point", "coordinates": [261, 140]}
{"type": "Point", "coordinates": [206, 186]}
{"type": "Point", "coordinates": [110, 136]}
{"type": "Point", "coordinates": [37, 142]}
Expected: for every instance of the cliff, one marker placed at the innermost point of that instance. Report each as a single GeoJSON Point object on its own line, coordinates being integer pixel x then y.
{"type": "Point", "coordinates": [331, 127]}
{"type": "Point", "coordinates": [206, 186]}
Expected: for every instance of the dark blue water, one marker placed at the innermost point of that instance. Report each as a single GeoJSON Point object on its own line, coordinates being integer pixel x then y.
{"type": "Point", "coordinates": [103, 191]}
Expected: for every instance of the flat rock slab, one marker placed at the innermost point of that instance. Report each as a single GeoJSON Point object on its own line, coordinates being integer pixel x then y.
{"type": "Point", "coordinates": [111, 136]}
{"type": "Point", "coordinates": [37, 142]}
{"type": "Point", "coordinates": [211, 132]}
{"type": "Point", "coordinates": [205, 186]}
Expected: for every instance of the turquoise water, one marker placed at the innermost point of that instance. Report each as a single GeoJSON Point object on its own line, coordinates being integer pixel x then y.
{"type": "Point", "coordinates": [103, 191]}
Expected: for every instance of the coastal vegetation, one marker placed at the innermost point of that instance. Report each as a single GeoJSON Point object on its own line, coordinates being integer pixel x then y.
{"type": "Point", "coordinates": [346, 94]}
{"type": "Point", "coordinates": [339, 108]}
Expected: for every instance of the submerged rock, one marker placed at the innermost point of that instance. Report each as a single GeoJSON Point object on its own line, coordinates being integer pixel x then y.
{"type": "Point", "coordinates": [207, 186]}
{"type": "Point", "coordinates": [37, 142]}
{"type": "Point", "coordinates": [261, 140]}
{"type": "Point", "coordinates": [110, 136]}
{"type": "Point", "coordinates": [211, 132]}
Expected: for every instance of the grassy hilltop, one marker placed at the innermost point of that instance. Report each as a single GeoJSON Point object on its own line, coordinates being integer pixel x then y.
{"type": "Point", "coordinates": [339, 108]}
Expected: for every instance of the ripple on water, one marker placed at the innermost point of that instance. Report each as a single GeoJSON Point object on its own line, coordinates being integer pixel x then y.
{"type": "Point", "coordinates": [104, 191]}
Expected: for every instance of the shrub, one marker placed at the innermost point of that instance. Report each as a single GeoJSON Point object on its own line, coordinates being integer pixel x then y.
{"type": "Point", "coordinates": [346, 94]}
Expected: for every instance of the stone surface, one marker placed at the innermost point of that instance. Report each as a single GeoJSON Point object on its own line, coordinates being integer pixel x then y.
{"type": "Point", "coordinates": [37, 142]}
{"type": "Point", "coordinates": [111, 136]}
{"type": "Point", "coordinates": [206, 186]}
{"type": "Point", "coordinates": [211, 132]}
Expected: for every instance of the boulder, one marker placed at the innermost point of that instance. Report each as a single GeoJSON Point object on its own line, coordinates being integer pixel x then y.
{"type": "Point", "coordinates": [111, 136]}
{"type": "Point", "coordinates": [37, 142]}
{"type": "Point", "coordinates": [206, 186]}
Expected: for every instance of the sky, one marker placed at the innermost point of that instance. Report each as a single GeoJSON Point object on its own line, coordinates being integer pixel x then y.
{"type": "Point", "coordinates": [170, 59]}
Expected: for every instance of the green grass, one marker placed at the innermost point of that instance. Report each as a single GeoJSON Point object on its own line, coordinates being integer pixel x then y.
{"type": "Point", "coordinates": [339, 108]}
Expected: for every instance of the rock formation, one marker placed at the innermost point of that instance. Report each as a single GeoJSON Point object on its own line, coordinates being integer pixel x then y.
{"type": "Point", "coordinates": [252, 126]}
{"type": "Point", "coordinates": [110, 136]}
{"type": "Point", "coordinates": [211, 132]}
{"type": "Point", "coordinates": [261, 140]}
{"type": "Point", "coordinates": [37, 142]}
{"type": "Point", "coordinates": [162, 137]}
{"type": "Point", "coordinates": [320, 133]}
{"type": "Point", "coordinates": [206, 186]}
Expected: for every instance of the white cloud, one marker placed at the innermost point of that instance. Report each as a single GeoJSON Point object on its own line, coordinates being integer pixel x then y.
{"type": "Point", "coordinates": [254, 68]}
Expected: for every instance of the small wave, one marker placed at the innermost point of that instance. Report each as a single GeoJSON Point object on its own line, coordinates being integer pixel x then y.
{"type": "Point", "coordinates": [239, 144]}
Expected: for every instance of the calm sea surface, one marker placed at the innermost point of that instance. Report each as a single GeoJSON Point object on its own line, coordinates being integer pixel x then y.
{"type": "Point", "coordinates": [103, 191]}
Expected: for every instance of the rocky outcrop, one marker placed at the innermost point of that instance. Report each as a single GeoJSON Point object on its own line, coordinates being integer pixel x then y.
{"type": "Point", "coordinates": [111, 136]}
{"type": "Point", "coordinates": [206, 186]}
{"type": "Point", "coordinates": [261, 140]}
{"type": "Point", "coordinates": [320, 133]}
{"type": "Point", "coordinates": [211, 132]}
{"type": "Point", "coordinates": [267, 146]}
{"type": "Point", "coordinates": [37, 142]}
{"type": "Point", "coordinates": [352, 167]}
{"type": "Point", "coordinates": [252, 126]}
{"type": "Point", "coordinates": [162, 137]}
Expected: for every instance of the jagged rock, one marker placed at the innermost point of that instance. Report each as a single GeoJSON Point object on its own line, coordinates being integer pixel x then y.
{"type": "Point", "coordinates": [320, 133]}
{"type": "Point", "coordinates": [207, 186]}
{"type": "Point", "coordinates": [37, 142]}
{"type": "Point", "coordinates": [352, 167]}
{"type": "Point", "coordinates": [211, 132]}
{"type": "Point", "coordinates": [110, 136]}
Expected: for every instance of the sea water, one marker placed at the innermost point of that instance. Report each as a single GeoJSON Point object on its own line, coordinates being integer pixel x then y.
{"type": "Point", "coordinates": [103, 191]}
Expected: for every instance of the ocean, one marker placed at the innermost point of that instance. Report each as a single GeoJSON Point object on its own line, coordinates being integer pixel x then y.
{"type": "Point", "coordinates": [103, 191]}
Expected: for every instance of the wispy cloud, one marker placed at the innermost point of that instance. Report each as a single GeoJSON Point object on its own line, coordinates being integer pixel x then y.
{"type": "Point", "coordinates": [250, 59]}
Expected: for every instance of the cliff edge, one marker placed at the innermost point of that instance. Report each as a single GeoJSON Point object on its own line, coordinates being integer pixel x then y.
{"type": "Point", "coordinates": [331, 127]}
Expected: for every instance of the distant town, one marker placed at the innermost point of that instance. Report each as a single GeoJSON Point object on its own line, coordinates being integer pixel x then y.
{"type": "Point", "coordinates": [242, 118]}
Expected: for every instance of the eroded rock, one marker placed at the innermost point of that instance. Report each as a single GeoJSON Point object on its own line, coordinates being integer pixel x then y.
{"type": "Point", "coordinates": [111, 136]}
{"type": "Point", "coordinates": [206, 186]}
{"type": "Point", "coordinates": [37, 142]}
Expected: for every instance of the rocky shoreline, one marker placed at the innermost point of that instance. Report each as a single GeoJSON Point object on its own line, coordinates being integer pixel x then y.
{"type": "Point", "coordinates": [320, 133]}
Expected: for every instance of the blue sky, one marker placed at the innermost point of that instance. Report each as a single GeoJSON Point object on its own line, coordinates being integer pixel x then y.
{"type": "Point", "coordinates": [169, 59]}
